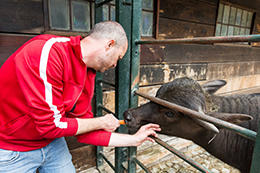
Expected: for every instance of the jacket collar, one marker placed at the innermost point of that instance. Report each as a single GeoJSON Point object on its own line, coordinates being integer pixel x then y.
{"type": "Point", "coordinates": [75, 44]}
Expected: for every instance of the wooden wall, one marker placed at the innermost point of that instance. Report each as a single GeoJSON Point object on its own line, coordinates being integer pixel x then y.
{"type": "Point", "coordinates": [197, 18]}
{"type": "Point", "coordinates": [24, 16]}
{"type": "Point", "coordinates": [189, 18]}
{"type": "Point", "coordinates": [20, 21]}
{"type": "Point", "coordinates": [9, 44]}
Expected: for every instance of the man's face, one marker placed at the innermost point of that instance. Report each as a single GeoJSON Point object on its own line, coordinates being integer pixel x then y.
{"type": "Point", "coordinates": [108, 59]}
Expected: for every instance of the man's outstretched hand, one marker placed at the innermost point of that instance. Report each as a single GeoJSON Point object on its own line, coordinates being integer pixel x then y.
{"type": "Point", "coordinates": [120, 140]}
{"type": "Point", "coordinates": [145, 131]}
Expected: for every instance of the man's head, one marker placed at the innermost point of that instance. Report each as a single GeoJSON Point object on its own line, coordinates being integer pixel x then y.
{"type": "Point", "coordinates": [104, 46]}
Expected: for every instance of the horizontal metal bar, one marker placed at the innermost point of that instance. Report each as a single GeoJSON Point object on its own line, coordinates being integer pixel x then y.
{"type": "Point", "coordinates": [141, 165]}
{"type": "Point", "coordinates": [105, 109]}
{"type": "Point", "coordinates": [106, 82]}
{"type": "Point", "coordinates": [181, 155]}
{"type": "Point", "coordinates": [204, 40]}
{"type": "Point", "coordinates": [194, 114]}
{"type": "Point", "coordinates": [102, 3]}
{"type": "Point", "coordinates": [108, 162]}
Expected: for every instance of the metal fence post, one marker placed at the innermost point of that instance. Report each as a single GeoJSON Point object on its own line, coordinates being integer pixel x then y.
{"type": "Point", "coordinates": [255, 166]}
{"type": "Point", "coordinates": [98, 87]}
{"type": "Point", "coordinates": [135, 70]}
{"type": "Point", "coordinates": [122, 80]}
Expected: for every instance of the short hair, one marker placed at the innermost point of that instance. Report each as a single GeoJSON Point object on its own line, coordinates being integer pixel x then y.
{"type": "Point", "coordinates": [109, 30]}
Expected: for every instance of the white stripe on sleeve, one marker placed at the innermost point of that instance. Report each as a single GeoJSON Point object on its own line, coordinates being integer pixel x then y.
{"type": "Point", "coordinates": [48, 87]}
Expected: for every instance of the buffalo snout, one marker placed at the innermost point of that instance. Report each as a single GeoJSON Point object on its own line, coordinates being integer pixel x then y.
{"type": "Point", "coordinates": [132, 122]}
{"type": "Point", "coordinates": [128, 117]}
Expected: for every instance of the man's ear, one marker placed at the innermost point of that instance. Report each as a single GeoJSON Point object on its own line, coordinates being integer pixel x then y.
{"type": "Point", "coordinates": [110, 44]}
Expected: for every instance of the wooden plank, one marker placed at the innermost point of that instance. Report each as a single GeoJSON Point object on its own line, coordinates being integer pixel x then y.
{"type": "Point", "coordinates": [73, 142]}
{"type": "Point", "coordinates": [189, 10]}
{"type": "Point", "coordinates": [23, 16]}
{"type": "Point", "coordinates": [253, 4]}
{"type": "Point", "coordinates": [256, 67]}
{"type": "Point", "coordinates": [9, 43]}
{"type": "Point", "coordinates": [158, 74]}
{"type": "Point", "coordinates": [238, 84]}
{"type": "Point", "coordinates": [212, 53]}
{"type": "Point", "coordinates": [151, 54]}
{"type": "Point", "coordinates": [232, 69]}
{"type": "Point", "coordinates": [84, 157]}
{"type": "Point", "coordinates": [169, 28]}
{"type": "Point", "coordinates": [256, 27]}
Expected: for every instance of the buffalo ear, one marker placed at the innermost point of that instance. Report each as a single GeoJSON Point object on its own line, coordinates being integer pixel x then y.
{"type": "Point", "coordinates": [212, 86]}
{"type": "Point", "coordinates": [234, 118]}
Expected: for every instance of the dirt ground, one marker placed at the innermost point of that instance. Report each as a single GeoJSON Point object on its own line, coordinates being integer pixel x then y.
{"type": "Point", "coordinates": [159, 160]}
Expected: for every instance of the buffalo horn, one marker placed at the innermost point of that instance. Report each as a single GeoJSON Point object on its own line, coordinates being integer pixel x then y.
{"type": "Point", "coordinates": [207, 125]}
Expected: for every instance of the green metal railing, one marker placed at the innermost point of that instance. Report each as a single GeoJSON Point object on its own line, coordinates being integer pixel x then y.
{"type": "Point", "coordinates": [204, 40]}
{"type": "Point", "coordinates": [122, 84]}
{"type": "Point", "coordinates": [98, 88]}
{"type": "Point", "coordinates": [182, 156]}
{"type": "Point", "coordinates": [122, 81]}
{"type": "Point", "coordinates": [136, 16]}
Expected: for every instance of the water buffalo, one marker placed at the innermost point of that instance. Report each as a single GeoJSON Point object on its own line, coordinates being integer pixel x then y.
{"type": "Point", "coordinates": [225, 145]}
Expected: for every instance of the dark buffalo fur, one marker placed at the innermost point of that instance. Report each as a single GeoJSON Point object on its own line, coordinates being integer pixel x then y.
{"type": "Point", "coordinates": [226, 145]}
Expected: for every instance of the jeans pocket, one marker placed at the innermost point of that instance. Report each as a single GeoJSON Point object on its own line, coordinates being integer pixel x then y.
{"type": "Point", "coordinates": [8, 156]}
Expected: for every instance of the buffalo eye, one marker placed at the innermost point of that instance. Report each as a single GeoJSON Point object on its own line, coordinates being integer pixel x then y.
{"type": "Point", "coordinates": [169, 114]}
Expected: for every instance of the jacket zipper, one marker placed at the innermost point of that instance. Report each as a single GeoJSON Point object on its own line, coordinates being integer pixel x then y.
{"type": "Point", "coordinates": [74, 105]}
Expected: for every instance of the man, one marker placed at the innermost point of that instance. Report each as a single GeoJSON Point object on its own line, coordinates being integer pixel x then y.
{"type": "Point", "coordinates": [46, 90]}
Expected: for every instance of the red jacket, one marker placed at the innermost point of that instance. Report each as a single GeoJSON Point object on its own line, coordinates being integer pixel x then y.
{"type": "Point", "coordinates": [44, 85]}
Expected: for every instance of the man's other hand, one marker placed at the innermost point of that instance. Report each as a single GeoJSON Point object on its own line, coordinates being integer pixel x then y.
{"type": "Point", "coordinates": [110, 122]}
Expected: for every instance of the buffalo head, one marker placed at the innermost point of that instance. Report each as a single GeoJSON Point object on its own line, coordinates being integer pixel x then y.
{"type": "Point", "coordinates": [187, 93]}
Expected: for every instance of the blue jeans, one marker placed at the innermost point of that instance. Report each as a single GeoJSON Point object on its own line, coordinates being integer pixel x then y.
{"type": "Point", "coordinates": [54, 158]}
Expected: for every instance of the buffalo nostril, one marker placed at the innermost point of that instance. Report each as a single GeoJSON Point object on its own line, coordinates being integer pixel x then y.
{"type": "Point", "coordinates": [128, 117]}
